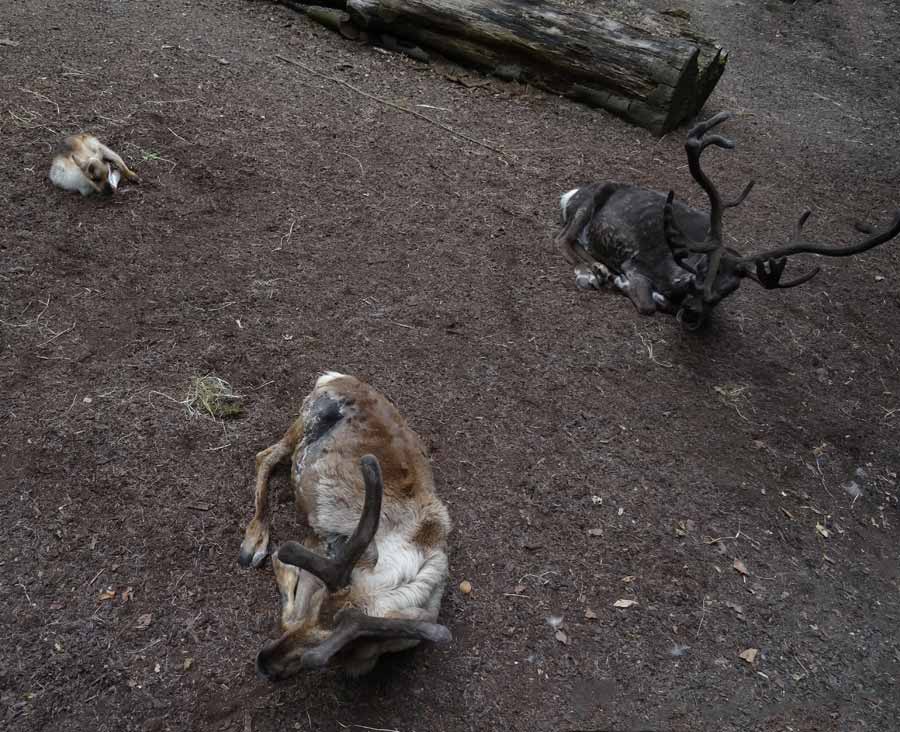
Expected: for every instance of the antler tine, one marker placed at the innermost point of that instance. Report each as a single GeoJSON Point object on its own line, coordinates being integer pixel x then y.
{"type": "Point", "coordinates": [353, 624]}
{"type": "Point", "coordinates": [769, 271]}
{"type": "Point", "coordinates": [701, 128]}
{"type": "Point", "coordinates": [801, 222]}
{"type": "Point", "coordinates": [740, 199]}
{"type": "Point", "coordinates": [696, 143]}
{"type": "Point", "coordinates": [335, 573]}
{"type": "Point", "coordinates": [795, 247]}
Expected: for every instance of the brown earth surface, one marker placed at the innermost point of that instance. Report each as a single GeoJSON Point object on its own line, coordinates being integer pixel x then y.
{"type": "Point", "coordinates": [286, 225]}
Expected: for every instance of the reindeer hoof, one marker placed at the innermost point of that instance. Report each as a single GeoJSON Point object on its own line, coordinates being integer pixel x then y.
{"type": "Point", "coordinates": [587, 279]}
{"type": "Point", "coordinates": [254, 548]}
{"type": "Point", "coordinates": [252, 559]}
{"type": "Point", "coordinates": [440, 635]}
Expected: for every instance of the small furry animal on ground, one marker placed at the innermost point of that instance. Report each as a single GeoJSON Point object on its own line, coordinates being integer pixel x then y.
{"type": "Point", "coordinates": [88, 166]}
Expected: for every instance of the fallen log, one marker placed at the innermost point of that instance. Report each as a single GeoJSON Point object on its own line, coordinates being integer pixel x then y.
{"type": "Point", "coordinates": [654, 82]}
{"type": "Point", "coordinates": [671, 23]}
{"type": "Point", "coordinates": [657, 74]}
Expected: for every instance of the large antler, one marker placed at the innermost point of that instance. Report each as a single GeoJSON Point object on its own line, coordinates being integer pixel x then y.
{"type": "Point", "coordinates": [770, 265]}
{"type": "Point", "coordinates": [353, 624]}
{"type": "Point", "coordinates": [335, 573]}
{"type": "Point", "coordinates": [681, 246]}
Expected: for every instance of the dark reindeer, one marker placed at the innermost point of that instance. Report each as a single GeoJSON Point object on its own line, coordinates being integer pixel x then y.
{"type": "Point", "coordinates": [670, 257]}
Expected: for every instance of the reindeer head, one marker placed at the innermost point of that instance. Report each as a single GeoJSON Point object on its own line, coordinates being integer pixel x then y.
{"type": "Point", "coordinates": [319, 621]}
{"type": "Point", "coordinates": [717, 269]}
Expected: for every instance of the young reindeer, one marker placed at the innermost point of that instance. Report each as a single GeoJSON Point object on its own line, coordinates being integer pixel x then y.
{"type": "Point", "coordinates": [369, 577]}
{"type": "Point", "coordinates": [667, 256]}
{"type": "Point", "coordinates": [88, 166]}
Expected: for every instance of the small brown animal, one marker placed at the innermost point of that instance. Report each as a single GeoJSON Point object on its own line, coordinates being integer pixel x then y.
{"type": "Point", "coordinates": [88, 166]}
{"type": "Point", "coordinates": [369, 576]}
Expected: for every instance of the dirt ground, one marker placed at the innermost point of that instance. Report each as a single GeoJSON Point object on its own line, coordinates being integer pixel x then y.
{"type": "Point", "coordinates": [287, 225]}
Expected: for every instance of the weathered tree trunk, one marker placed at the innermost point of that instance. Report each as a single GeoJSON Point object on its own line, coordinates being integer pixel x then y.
{"type": "Point", "coordinates": [646, 67]}
{"type": "Point", "coordinates": [299, 4]}
{"type": "Point", "coordinates": [654, 82]}
{"type": "Point", "coordinates": [674, 23]}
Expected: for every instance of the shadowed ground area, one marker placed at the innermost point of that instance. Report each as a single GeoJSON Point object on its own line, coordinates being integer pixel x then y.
{"type": "Point", "coordinates": [740, 485]}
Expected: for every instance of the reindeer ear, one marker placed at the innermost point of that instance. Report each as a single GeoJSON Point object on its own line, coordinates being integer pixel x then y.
{"type": "Point", "coordinates": [353, 624]}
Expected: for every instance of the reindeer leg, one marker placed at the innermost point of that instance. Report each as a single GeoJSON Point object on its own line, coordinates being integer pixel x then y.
{"type": "Point", "coordinates": [256, 537]}
{"type": "Point", "coordinates": [297, 588]}
{"type": "Point", "coordinates": [114, 158]}
{"type": "Point", "coordinates": [592, 275]}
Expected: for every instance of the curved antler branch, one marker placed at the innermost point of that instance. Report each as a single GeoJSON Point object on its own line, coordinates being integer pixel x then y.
{"type": "Point", "coordinates": [335, 573]}
{"type": "Point", "coordinates": [696, 143]}
{"type": "Point", "coordinates": [797, 247]}
{"type": "Point", "coordinates": [740, 199]}
{"type": "Point", "coordinates": [769, 271]}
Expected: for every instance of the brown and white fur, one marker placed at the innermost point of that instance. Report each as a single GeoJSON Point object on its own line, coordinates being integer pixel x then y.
{"type": "Point", "coordinates": [370, 574]}
{"type": "Point", "coordinates": [88, 166]}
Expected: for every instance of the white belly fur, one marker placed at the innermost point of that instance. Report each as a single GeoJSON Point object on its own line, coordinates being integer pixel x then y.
{"type": "Point", "coordinates": [67, 176]}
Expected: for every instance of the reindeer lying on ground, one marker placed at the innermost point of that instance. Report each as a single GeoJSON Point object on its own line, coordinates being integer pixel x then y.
{"type": "Point", "coordinates": [88, 166]}
{"type": "Point", "coordinates": [370, 574]}
{"type": "Point", "coordinates": [667, 256]}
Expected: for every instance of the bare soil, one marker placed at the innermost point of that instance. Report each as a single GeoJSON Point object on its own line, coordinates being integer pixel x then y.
{"type": "Point", "coordinates": [286, 225]}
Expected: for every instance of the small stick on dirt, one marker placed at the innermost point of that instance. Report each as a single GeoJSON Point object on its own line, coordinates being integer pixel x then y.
{"type": "Point", "coordinates": [112, 119]}
{"type": "Point", "coordinates": [822, 475]}
{"type": "Point", "coordinates": [286, 239]}
{"type": "Point", "coordinates": [146, 648]}
{"type": "Point", "coordinates": [66, 413]}
{"type": "Point", "coordinates": [702, 616]}
{"type": "Point", "coordinates": [62, 332]}
{"type": "Point", "coordinates": [163, 394]}
{"type": "Point", "coordinates": [169, 101]}
{"type": "Point", "coordinates": [72, 71]}
{"type": "Point", "coordinates": [648, 344]}
{"type": "Point", "coordinates": [398, 107]}
{"type": "Point", "coordinates": [538, 577]}
{"type": "Point", "coordinates": [96, 576]}
{"type": "Point", "coordinates": [27, 123]}
{"type": "Point", "coordinates": [265, 383]}
{"type": "Point", "coordinates": [41, 96]}
{"type": "Point", "coordinates": [179, 136]}
{"type": "Point", "coordinates": [362, 170]}
{"type": "Point", "coordinates": [31, 322]}
{"type": "Point", "coordinates": [27, 597]}
{"type": "Point", "coordinates": [371, 729]}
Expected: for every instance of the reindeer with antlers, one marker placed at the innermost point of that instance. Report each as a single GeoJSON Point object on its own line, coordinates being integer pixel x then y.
{"type": "Point", "coordinates": [670, 257]}
{"type": "Point", "coordinates": [369, 576]}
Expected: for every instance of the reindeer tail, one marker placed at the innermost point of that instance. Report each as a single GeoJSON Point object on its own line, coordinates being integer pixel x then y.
{"type": "Point", "coordinates": [587, 202]}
